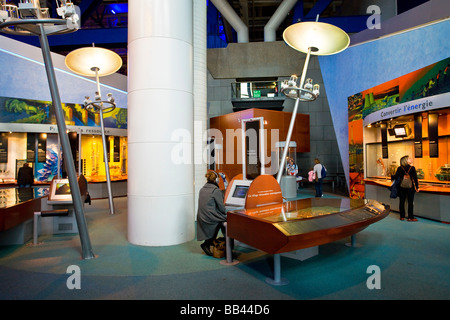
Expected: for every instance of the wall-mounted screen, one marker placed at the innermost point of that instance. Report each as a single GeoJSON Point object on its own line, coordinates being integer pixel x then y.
{"type": "Point", "coordinates": [400, 131]}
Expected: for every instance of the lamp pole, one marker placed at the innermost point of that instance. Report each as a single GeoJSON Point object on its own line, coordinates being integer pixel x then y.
{"type": "Point", "coordinates": [293, 117]}
{"type": "Point", "coordinates": [69, 164]}
{"type": "Point", "coordinates": [97, 62]}
{"type": "Point", "coordinates": [320, 38]}
{"type": "Point", "coordinates": [105, 153]}
{"type": "Point", "coordinates": [36, 22]}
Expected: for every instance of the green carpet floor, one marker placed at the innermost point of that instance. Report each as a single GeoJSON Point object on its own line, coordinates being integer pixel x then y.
{"type": "Point", "coordinates": [413, 258]}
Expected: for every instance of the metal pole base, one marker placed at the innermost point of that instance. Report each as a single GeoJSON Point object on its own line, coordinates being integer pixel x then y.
{"type": "Point", "coordinates": [277, 280]}
{"type": "Point", "coordinates": [33, 244]}
{"type": "Point", "coordinates": [281, 282]}
{"type": "Point", "coordinates": [226, 263]}
{"type": "Point", "coordinates": [229, 261]}
{"type": "Point", "coordinates": [353, 243]}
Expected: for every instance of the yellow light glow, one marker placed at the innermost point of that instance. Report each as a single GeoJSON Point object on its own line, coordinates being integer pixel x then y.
{"type": "Point", "coordinates": [84, 61]}
{"type": "Point", "coordinates": [322, 38]}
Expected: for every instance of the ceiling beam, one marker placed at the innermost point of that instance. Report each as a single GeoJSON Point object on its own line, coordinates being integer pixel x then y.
{"type": "Point", "coordinates": [318, 8]}
{"type": "Point", "coordinates": [87, 7]}
{"type": "Point", "coordinates": [110, 37]}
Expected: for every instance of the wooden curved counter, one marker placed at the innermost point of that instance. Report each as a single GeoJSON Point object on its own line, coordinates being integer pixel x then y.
{"type": "Point", "coordinates": [304, 223]}
{"type": "Point", "coordinates": [18, 205]}
{"type": "Point", "coordinates": [432, 201]}
{"type": "Point", "coordinates": [425, 186]}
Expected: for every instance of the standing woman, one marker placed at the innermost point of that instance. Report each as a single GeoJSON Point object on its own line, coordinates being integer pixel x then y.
{"type": "Point", "coordinates": [318, 177]}
{"type": "Point", "coordinates": [408, 186]}
{"type": "Point", "coordinates": [211, 213]}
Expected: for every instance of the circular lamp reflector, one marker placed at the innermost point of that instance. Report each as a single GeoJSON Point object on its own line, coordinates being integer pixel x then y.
{"type": "Point", "coordinates": [322, 38]}
{"type": "Point", "coordinates": [84, 61]}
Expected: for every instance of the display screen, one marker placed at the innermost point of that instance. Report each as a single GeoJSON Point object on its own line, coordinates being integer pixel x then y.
{"type": "Point", "coordinates": [62, 188]}
{"type": "Point", "coordinates": [240, 192]}
{"type": "Point", "coordinates": [400, 131]}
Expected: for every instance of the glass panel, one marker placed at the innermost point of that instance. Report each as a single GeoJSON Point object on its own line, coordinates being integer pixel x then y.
{"type": "Point", "coordinates": [255, 89]}
{"type": "Point", "coordinates": [303, 209]}
{"type": "Point", "coordinates": [290, 165]}
{"type": "Point", "coordinates": [428, 169]}
{"type": "Point", "coordinates": [93, 165]}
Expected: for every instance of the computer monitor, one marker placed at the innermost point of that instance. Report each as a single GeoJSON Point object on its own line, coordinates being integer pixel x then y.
{"type": "Point", "coordinates": [238, 193]}
{"type": "Point", "coordinates": [60, 190]}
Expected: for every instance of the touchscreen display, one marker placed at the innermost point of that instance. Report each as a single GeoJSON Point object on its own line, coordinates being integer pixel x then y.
{"type": "Point", "coordinates": [240, 191]}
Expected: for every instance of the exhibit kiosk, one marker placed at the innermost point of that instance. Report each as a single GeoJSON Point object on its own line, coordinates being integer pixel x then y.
{"type": "Point", "coordinates": [258, 217]}
{"type": "Point", "coordinates": [242, 193]}
{"type": "Point", "coordinates": [245, 141]}
{"type": "Point", "coordinates": [289, 177]}
{"type": "Point", "coordinates": [237, 193]}
{"type": "Point", "coordinates": [399, 118]}
{"type": "Point", "coordinates": [58, 209]}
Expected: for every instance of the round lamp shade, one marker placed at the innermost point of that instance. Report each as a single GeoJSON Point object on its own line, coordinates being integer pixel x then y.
{"type": "Point", "coordinates": [84, 61]}
{"type": "Point", "coordinates": [322, 38]}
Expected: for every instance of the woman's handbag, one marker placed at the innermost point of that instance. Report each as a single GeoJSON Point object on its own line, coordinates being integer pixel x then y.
{"type": "Point", "coordinates": [219, 248]}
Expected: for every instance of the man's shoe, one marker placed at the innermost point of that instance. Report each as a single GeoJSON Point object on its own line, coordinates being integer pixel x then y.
{"type": "Point", "coordinates": [412, 219]}
{"type": "Point", "coordinates": [205, 248]}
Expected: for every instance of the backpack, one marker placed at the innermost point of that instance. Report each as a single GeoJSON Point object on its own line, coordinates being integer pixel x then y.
{"type": "Point", "coordinates": [406, 182]}
{"type": "Point", "coordinates": [323, 172]}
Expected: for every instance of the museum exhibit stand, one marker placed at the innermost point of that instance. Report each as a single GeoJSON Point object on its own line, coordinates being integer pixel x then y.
{"type": "Point", "coordinates": [259, 214]}
{"type": "Point", "coordinates": [259, 218]}
{"type": "Point", "coordinates": [26, 213]}
{"type": "Point", "coordinates": [425, 138]}
{"type": "Point", "coordinates": [42, 151]}
{"type": "Point", "coordinates": [405, 116]}
{"type": "Point", "coordinates": [251, 142]}
{"type": "Point", "coordinates": [45, 133]}
{"type": "Point", "coordinates": [289, 178]}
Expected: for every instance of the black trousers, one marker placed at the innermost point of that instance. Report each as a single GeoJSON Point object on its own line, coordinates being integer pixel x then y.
{"type": "Point", "coordinates": [221, 227]}
{"type": "Point", "coordinates": [406, 194]}
{"type": "Point", "coordinates": [318, 186]}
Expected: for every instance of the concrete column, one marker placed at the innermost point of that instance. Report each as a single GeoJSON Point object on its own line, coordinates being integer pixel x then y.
{"type": "Point", "coordinates": [160, 122]}
{"type": "Point", "coordinates": [200, 95]}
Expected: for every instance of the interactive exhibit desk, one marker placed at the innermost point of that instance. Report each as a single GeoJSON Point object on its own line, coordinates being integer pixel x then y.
{"type": "Point", "coordinates": [293, 225]}
{"type": "Point", "coordinates": [20, 208]}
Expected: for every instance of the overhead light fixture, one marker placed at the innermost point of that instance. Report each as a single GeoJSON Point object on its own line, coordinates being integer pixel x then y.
{"type": "Point", "coordinates": [93, 61]}
{"type": "Point", "coordinates": [28, 17]}
{"type": "Point", "coordinates": [97, 62]}
{"type": "Point", "coordinates": [312, 38]}
{"type": "Point", "coordinates": [315, 38]}
{"type": "Point", "coordinates": [318, 37]}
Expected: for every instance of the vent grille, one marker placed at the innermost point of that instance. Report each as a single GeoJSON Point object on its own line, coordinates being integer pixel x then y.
{"type": "Point", "coordinates": [65, 226]}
